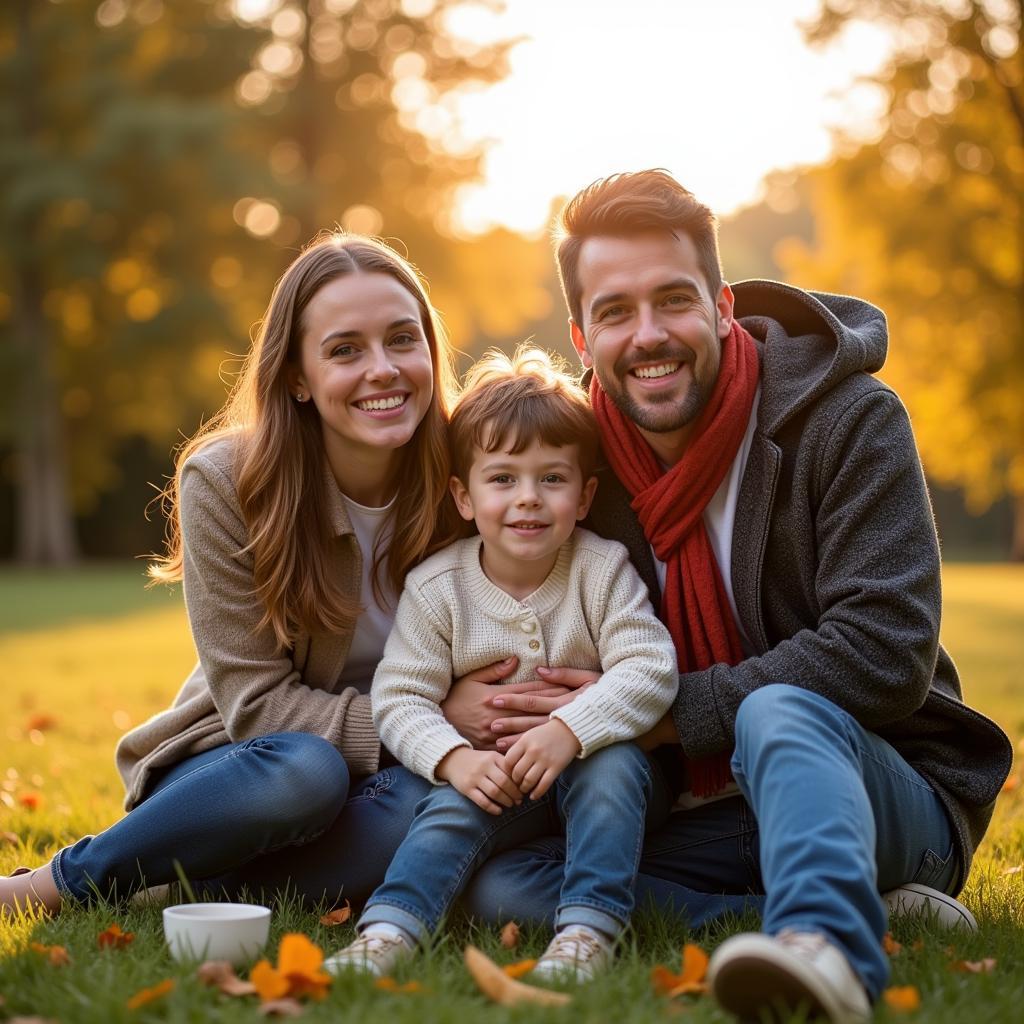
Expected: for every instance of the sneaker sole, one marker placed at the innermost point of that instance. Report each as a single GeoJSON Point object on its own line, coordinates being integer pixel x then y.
{"type": "Point", "coordinates": [757, 990]}
{"type": "Point", "coordinates": [954, 914]}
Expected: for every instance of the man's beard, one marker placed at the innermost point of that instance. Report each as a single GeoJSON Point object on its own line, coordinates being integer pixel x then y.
{"type": "Point", "coordinates": [659, 414]}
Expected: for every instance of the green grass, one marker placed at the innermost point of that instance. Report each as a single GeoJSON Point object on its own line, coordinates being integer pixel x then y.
{"type": "Point", "coordinates": [87, 655]}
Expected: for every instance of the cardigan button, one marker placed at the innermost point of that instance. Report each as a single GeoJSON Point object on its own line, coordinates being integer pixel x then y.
{"type": "Point", "coordinates": [534, 645]}
{"type": "Point", "coordinates": [528, 626]}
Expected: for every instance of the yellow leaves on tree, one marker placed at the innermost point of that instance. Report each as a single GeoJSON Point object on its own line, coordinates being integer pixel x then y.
{"type": "Point", "coordinates": [297, 972]}
{"type": "Point", "coordinates": [690, 980]}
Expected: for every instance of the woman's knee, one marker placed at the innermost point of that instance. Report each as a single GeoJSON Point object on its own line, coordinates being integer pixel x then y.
{"type": "Point", "coordinates": [301, 775]}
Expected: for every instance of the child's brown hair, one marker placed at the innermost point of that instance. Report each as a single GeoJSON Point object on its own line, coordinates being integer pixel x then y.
{"type": "Point", "coordinates": [509, 403]}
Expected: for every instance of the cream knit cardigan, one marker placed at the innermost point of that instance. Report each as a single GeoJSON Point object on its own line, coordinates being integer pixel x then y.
{"type": "Point", "coordinates": [592, 612]}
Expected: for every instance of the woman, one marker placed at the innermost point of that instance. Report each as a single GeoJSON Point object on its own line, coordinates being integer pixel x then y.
{"type": "Point", "coordinates": [294, 517]}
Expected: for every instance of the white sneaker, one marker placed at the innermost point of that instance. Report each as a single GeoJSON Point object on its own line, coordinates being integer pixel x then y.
{"type": "Point", "coordinates": [370, 954]}
{"type": "Point", "coordinates": [919, 899]}
{"type": "Point", "coordinates": [761, 977]}
{"type": "Point", "coordinates": [576, 953]}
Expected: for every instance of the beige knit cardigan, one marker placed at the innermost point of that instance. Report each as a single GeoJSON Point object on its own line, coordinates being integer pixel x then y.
{"type": "Point", "coordinates": [592, 612]}
{"type": "Point", "coordinates": [243, 685]}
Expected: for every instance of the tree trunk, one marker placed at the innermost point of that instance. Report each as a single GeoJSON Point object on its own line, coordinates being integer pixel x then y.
{"type": "Point", "coordinates": [44, 528]}
{"type": "Point", "coordinates": [1017, 545]}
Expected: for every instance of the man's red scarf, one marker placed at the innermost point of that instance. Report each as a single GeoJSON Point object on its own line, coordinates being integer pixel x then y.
{"type": "Point", "coordinates": [670, 505]}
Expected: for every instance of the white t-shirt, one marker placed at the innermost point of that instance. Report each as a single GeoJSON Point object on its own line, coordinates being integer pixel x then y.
{"type": "Point", "coordinates": [375, 622]}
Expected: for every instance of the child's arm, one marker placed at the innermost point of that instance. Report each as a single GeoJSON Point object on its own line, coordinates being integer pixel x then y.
{"type": "Point", "coordinates": [538, 757]}
{"type": "Point", "coordinates": [411, 680]}
{"type": "Point", "coordinates": [638, 659]}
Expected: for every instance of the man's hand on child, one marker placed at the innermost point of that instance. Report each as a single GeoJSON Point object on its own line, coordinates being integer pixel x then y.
{"type": "Point", "coordinates": [482, 776]}
{"type": "Point", "coordinates": [539, 756]}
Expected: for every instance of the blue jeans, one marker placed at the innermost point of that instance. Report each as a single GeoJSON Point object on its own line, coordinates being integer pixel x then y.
{"type": "Point", "coordinates": [603, 801]}
{"type": "Point", "coordinates": [268, 813]}
{"type": "Point", "coordinates": [830, 815]}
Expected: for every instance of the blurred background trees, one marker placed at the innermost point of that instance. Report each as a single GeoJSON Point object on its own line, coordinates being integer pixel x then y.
{"type": "Point", "coordinates": [161, 163]}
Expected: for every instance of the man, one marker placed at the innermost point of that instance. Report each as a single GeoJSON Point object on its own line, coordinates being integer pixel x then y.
{"type": "Point", "coordinates": [770, 493]}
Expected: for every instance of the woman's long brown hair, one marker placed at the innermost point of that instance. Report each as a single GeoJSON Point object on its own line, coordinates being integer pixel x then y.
{"type": "Point", "coordinates": [280, 461]}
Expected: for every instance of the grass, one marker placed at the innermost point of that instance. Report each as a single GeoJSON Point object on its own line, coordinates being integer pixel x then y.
{"type": "Point", "coordinates": [86, 656]}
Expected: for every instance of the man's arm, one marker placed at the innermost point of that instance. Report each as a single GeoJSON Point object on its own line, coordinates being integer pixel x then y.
{"type": "Point", "coordinates": [872, 650]}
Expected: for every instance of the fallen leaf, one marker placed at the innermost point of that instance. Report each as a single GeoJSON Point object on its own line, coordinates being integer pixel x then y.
{"type": "Point", "coordinates": [690, 980]}
{"type": "Point", "coordinates": [40, 722]}
{"type": "Point", "coordinates": [269, 983]}
{"type": "Point", "coordinates": [985, 966]}
{"type": "Point", "coordinates": [519, 968]}
{"type": "Point", "coordinates": [282, 1008]}
{"type": "Point", "coordinates": [1012, 783]}
{"type": "Point", "coordinates": [917, 945]}
{"type": "Point", "coordinates": [31, 800]}
{"type": "Point", "coordinates": [57, 955]}
{"type": "Point", "coordinates": [500, 988]}
{"type": "Point", "coordinates": [11, 838]}
{"type": "Point", "coordinates": [114, 938]}
{"type": "Point", "coordinates": [902, 998]}
{"type": "Point", "coordinates": [388, 984]}
{"type": "Point", "coordinates": [297, 973]}
{"type": "Point", "coordinates": [510, 935]}
{"type": "Point", "coordinates": [148, 995]}
{"type": "Point", "coordinates": [1015, 870]}
{"type": "Point", "coordinates": [220, 974]}
{"type": "Point", "coordinates": [890, 945]}
{"type": "Point", "coordinates": [337, 917]}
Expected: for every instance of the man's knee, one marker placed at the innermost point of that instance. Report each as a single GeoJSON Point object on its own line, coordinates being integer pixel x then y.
{"type": "Point", "coordinates": [778, 709]}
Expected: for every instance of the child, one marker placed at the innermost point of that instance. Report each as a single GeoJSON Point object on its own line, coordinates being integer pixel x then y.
{"type": "Point", "coordinates": [531, 584]}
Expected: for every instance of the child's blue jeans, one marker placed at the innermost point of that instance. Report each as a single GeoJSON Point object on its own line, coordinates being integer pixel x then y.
{"type": "Point", "coordinates": [604, 802]}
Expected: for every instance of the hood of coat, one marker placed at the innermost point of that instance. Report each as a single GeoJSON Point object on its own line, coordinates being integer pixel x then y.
{"type": "Point", "coordinates": [811, 342]}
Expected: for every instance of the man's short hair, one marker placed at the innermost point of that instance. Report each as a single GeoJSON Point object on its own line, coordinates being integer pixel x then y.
{"type": "Point", "coordinates": [509, 403]}
{"type": "Point", "coordinates": [628, 204]}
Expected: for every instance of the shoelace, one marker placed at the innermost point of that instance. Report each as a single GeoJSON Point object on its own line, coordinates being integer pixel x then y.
{"type": "Point", "coordinates": [367, 944]}
{"type": "Point", "coordinates": [802, 943]}
{"type": "Point", "coordinates": [578, 947]}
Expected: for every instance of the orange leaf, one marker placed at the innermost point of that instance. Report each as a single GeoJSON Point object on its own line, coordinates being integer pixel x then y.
{"type": "Point", "coordinates": [1012, 783]}
{"type": "Point", "coordinates": [282, 1008]}
{"type": "Point", "coordinates": [313, 985]}
{"type": "Point", "coordinates": [148, 995]}
{"type": "Point", "coordinates": [57, 955]}
{"type": "Point", "coordinates": [337, 917]}
{"type": "Point", "coordinates": [917, 945]}
{"type": "Point", "coordinates": [388, 984]}
{"type": "Point", "coordinates": [298, 955]}
{"type": "Point", "coordinates": [500, 988]}
{"type": "Point", "coordinates": [695, 963]}
{"type": "Point", "coordinates": [30, 801]}
{"type": "Point", "coordinates": [985, 966]}
{"type": "Point", "coordinates": [902, 998]}
{"type": "Point", "coordinates": [270, 983]}
{"type": "Point", "coordinates": [519, 968]}
{"type": "Point", "coordinates": [890, 945]}
{"type": "Point", "coordinates": [114, 938]}
{"type": "Point", "coordinates": [220, 974]}
{"type": "Point", "coordinates": [663, 980]}
{"type": "Point", "coordinates": [690, 981]}
{"type": "Point", "coordinates": [510, 935]}
{"type": "Point", "coordinates": [40, 722]}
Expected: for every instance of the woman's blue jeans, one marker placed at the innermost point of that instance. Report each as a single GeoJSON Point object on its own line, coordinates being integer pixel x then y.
{"type": "Point", "coordinates": [272, 813]}
{"type": "Point", "coordinates": [603, 802]}
{"type": "Point", "coordinates": [831, 815]}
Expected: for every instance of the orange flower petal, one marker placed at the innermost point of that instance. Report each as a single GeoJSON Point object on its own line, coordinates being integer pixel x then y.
{"type": "Point", "coordinates": [270, 983]}
{"type": "Point", "coordinates": [148, 995]}
{"type": "Point", "coordinates": [902, 998]}
{"type": "Point", "coordinates": [519, 968]}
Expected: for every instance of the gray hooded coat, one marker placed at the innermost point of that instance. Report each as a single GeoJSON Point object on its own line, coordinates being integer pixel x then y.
{"type": "Point", "coordinates": [835, 560]}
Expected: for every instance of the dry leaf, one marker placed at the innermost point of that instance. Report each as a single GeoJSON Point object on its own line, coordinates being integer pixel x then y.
{"type": "Point", "coordinates": [269, 983]}
{"type": "Point", "coordinates": [41, 722]}
{"type": "Point", "coordinates": [147, 995]}
{"type": "Point", "coordinates": [690, 981]}
{"type": "Point", "coordinates": [114, 938]}
{"type": "Point", "coordinates": [31, 1020]}
{"type": "Point", "coordinates": [57, 955]}
{"type": "Point", "coordinates": [519, 968]}
{"type": "Point", "coordinates": [220, 974]}
{"type": "Point", "coordinates": [337, 917]}
{"type": "Point", "coordinates": [31, 801]}
{"type": "Point", "coordinates": [282, 1008]}
{"type": "Point", "coordinates": [890, 945]}
{"type": "Point", "coordinates": [11, 838]}
{"type": "Point", "coordinates": [902, 998]}
{"type": "Point", "coordinates": [1015, 870]}
{"type": "Point", "coordinates": [510, 935]}
{"type": "Point", "coordinates": [917, 945]}
{"type": "Point", "coordinates": [1012, 783]}
{"type": "Point", "coordinates": [297, 973]}
{"type": "Point", "coordinates": [500, 988]}
{"type": "Point", "coordinates": [985, 966]}
{"type": "Point", "coordinates": [388, 984]}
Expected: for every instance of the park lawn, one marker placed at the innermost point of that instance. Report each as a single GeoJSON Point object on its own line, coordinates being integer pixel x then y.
{"type": "Point", "coordinates": [86, 656]}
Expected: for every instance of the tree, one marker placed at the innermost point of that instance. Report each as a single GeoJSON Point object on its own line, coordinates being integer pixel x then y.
{"type": "Point", "coordinates": [927, 221]}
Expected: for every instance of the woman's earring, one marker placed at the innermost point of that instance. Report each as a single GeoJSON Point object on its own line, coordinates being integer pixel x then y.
{"type": "Point", "coordinates": [300, 396]}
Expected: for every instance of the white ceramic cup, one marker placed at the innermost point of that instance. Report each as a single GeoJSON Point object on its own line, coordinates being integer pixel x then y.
{"type": "Point", "coordinates": [216, 931]}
